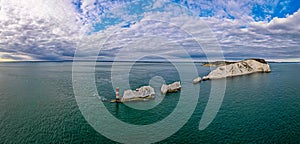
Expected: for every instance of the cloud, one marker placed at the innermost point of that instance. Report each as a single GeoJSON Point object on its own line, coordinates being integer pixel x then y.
{"type": "Point", "coordinates": [269, 40]}
{"type": "Point", "coordinates": [158, 33]}
{"type": "Point", "coordinates": [278, 38]}
{"type": "Point", "coordinates": [288, 25]}
{"type": "Point", "coordinates": [54, 30]}
{"type": "Point", "coordinates": [239, 38]}
{"type": "Point", "coordinates": [43, 30]}
{"type": "Point", "coordinates": [5, 56]}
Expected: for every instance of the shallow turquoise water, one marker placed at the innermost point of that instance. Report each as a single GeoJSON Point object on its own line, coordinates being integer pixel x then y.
{"type": "Point", "coordinates": [37, 105]}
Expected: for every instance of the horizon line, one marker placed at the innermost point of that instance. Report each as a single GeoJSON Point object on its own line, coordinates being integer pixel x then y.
{"type": "Point", "coordinates": [140, 61]}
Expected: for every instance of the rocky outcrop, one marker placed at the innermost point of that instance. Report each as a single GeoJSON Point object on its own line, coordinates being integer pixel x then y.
{"type": "Point", "coordinates": [217, 63]}
{"type": "Point", "coordinates": [174, 87]}
{"type": "Point", "coordinates": [243, 67]}
{"type": "Point", "coordinates": [141, 94]}
{"type": "Point", "coordinates": [197, 80]}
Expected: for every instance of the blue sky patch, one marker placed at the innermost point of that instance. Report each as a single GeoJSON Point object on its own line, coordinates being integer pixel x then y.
{"type": "Point", "coordinates": [106, 22]}
{"type": "Point", "coordinates": [266, 12]}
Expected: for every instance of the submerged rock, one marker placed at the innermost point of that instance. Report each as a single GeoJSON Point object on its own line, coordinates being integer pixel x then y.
{"type": "Point", "coordinates": [174, 87]}
{"type": "Point", "coordinates": [243, 67]}
{"type": "Point", "coordinates": [197, 80]}
{"type": "Point", "coordinates": [141, 94]}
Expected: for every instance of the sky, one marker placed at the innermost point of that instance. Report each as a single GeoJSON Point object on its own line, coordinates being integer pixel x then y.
{"type": "Point", "coordinates": [54, 30]}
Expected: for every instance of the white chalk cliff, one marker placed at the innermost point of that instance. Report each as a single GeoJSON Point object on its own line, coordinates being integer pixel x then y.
{"type": "Point", "coordinates": [197, 80]}
{"type": "Point", "coordinates": [145, 92]}
{"type": "Point", "coordinates": [174, 87]}
{"type": "Point", "coordinates": [239, 68]}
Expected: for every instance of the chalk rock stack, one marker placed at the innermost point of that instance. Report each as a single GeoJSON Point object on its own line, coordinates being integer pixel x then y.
{"type": "Point", "coordinates": [197, 80]}
{"type": "Point", "coordinates": [243, 67]}
{"type": "Point", "coordinates": [140, 94]}
{"type": "Point", "coordinates": [174, 87]}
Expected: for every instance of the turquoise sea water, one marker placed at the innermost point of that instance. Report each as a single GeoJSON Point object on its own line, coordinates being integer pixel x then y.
{"type": "Point", "coordinates": [37, 104]}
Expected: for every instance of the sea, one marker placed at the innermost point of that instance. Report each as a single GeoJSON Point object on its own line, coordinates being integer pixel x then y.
{"type": "Point", "coordinates": [38, 103]}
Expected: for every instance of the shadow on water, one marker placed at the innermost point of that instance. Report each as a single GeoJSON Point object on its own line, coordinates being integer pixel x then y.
{"type": "Point", "coordinates": [116, 108]}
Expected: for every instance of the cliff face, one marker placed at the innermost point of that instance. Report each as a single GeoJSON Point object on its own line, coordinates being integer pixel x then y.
{"type": "Point", "coordinates": [174, 87]}
{"type": "Point", "coordinates": [140, 94]}
{"type": "Point", "coordinates": [239, 68]}
{"type": "Point", "coordinates": [217, 63]}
